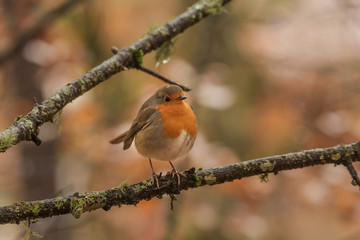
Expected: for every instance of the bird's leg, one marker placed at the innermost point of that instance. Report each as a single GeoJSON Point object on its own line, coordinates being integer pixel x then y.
{"type": "Point", "coordinates": [174, 172]}
{"type": "Point", "coordinates": [155, 177]}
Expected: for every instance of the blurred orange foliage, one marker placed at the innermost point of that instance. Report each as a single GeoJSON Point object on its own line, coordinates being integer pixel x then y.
{"type": "Point", "coordinates": [267, 78]}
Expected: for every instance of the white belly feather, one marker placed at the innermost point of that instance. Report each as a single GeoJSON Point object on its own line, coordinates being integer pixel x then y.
{"type": "Point", "coordinates": [169, 149]}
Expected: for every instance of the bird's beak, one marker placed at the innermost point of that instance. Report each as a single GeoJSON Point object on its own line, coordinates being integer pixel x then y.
{"type": "Point", "coordinates": [181, 98]}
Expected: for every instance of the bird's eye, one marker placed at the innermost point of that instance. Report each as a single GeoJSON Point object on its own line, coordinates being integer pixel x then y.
{"type": "Point", "coordinates": [167, 99]}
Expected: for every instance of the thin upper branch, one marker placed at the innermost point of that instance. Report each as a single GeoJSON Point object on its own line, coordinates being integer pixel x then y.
{"type": "Point", "coordinates": [155, 74]}
{"type": "Point", "coordinates": [79, 203]}
{"type": "Point", "coordinates": [27, 127]}
{"type": "Point", "coordinates": [25, 36]}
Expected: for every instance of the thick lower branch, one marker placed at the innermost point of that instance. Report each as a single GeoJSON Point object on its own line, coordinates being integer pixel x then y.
{"type": "Point", "coordinates": [79, 203]}
{"type": "Point", "coordinates": [27, 127]}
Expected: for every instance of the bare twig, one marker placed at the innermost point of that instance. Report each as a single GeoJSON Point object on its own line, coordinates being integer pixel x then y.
{"type": "Point", "coordinates": [350, 167]}
{"type": "Point", "coordinates": [155, 74]}
{"type": "Point", "coordinates": [27, 127]}
{"type": "Point", "coordinates": [25, 36]}
{"type": "Point", "coordinates": [114, 50]}
{"type": "Point", "coordinates": [125, 194]}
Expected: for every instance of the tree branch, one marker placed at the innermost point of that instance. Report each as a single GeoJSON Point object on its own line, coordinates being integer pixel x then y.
{"type": "Point", "coordinates": [79, 203]}
{"type": "Point", "coordinates": [27, 127]}
{"type": "Point", "coordinates": [155, 74]}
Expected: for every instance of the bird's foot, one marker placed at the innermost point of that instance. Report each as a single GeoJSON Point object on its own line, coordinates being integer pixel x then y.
{"type": "Point", "coordinates": [174, 173]}
{"type": "Point", "coordinates": [156, 179]}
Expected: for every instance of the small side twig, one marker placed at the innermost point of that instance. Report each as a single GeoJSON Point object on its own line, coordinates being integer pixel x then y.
{"type": "Point", "coordinates": [161, 77]}
{"type": "Point", "coordinates": [115, 50]}
{"type": "Point", "coordinates": [350, 167]}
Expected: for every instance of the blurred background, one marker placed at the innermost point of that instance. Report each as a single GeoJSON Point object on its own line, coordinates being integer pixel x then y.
{"type": "Point", "coordinates": [268, 77]}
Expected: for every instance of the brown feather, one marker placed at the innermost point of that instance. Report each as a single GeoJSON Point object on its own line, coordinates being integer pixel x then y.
{"type": "Point", "coordinates": [119, 139]}
{"type": "Point", "coordinates": [137, 125]}
{"type": "Point", "coordinates": [128, 142]}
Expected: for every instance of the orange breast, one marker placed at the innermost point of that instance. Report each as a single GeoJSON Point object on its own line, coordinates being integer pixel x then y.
{"type": "Point", "coordinates": [177, 116]}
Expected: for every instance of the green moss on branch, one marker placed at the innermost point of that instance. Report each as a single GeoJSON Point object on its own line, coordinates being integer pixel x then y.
{"type": "Point", "coordinates": [125, 194]}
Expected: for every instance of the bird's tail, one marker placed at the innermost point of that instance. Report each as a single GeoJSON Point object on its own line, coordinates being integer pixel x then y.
{"type": "Point", "coordinates": [119, 139]}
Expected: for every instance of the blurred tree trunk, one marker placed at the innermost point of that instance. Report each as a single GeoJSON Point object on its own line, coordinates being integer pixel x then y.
{"type": "Point", "coordinates": [38, 163]}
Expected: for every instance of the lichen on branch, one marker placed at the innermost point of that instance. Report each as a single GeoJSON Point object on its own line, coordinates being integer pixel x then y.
{"type": "Point", "coordinates": [126, 194]}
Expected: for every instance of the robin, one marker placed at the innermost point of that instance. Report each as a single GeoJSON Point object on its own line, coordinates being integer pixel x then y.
{"type": "Point", "coordinates": [164, 129]}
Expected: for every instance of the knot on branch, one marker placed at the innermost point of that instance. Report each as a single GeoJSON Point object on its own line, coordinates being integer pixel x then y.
{"type": "Point", "coordinates": [29, 129]}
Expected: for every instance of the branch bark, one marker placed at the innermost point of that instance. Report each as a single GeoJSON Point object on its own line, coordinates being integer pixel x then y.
{"type": "Point", "coordinates": [27, 128]}
{"type": "Point", "coordinates": [79, 203]}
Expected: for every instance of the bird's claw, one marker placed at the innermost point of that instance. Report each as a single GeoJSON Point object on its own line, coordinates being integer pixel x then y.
{"type": "Point", "coordinates": [177, 174]}
{"type": "Point", "coordinates": [156, 180]}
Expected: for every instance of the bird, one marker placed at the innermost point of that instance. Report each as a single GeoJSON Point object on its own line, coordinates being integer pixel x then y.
{"type": "Point", "coordinates": [164, 129]}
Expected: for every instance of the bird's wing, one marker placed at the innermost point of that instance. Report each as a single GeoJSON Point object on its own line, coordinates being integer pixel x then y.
{"type": "Point", "coordinates": [119, 139]}
{"type": "Point", "coordinates": [139, 123]}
